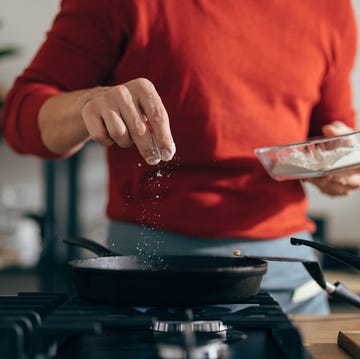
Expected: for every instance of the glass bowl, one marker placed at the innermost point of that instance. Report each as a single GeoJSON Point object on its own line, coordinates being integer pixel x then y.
{"type": "Point", "coordinates": [314, 158]}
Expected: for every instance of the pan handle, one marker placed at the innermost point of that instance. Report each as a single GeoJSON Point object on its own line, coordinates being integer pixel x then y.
{"type": "Point", "coordinates": [92, 246]}
{"type": "Point", "coordinates": [338, 254]}
{"type": "Point", "coordinates": [340, 292]}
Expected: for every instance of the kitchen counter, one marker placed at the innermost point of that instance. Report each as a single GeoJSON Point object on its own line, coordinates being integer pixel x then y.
{"type": "Point", "coordinates": [320, 333]}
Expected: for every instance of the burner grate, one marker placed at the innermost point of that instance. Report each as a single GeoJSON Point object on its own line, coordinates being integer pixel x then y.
{"type": "Point", "coordinates": [42, 325]}
{"type": "Point", "coordinates": [21, 317]}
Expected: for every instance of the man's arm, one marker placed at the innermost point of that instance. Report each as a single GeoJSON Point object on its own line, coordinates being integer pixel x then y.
{"type": "Point", "coordinates": [122, 115]}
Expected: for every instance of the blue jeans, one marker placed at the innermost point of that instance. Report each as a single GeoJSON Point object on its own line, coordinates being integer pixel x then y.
{"type": "Point", "coordinates": [282, 279]}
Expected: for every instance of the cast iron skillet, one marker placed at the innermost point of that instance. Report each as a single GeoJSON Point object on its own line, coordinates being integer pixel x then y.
{"type": "Point", "coordinates": [163, 281]}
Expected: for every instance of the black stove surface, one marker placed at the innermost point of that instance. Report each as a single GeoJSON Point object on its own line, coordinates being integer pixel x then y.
{"type": "Point", "coordinates": [48, 325]}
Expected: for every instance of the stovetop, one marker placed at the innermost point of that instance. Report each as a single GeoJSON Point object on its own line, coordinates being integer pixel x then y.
{"type": "Point", "coordinates": [51, 325]}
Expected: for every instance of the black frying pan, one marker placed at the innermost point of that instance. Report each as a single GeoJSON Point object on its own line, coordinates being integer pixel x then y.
{"type": "Point", "coordinates": [186, 280]}
{"type": "Point", "coordinates": [163, 281]}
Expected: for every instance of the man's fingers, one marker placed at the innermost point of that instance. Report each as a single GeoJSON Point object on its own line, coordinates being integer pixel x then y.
{"type": "Point", "coordinates": [117, 129]}
{"type": "Point", "coordinates": [329, 188]}
{"type": "Point", "coordinates": [350, 180]}
{"type": "Point", "coordinates": [135, 123]}
{"type": "Point", "coordinates": [336, 128]}
{"type": "Point", "coordinates": [337, 185]}
{"type": "Point", "coordinates": [126, 102]}
{"type": "Point", "coordinates": [131, 113]}
{"type": "Point", "coordinates": [150, 103]}
{"type": "Point", "coordinates": [95, 126]}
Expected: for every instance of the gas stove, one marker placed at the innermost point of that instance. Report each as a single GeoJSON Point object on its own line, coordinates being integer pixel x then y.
{"type": "Point", "coordinates": [50, 325]}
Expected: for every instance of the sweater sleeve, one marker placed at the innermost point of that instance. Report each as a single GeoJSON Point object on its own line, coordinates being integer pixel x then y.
{"type": "Point", "coordinates": [80, 51]}
{"type": "Point", "coordinates": [336, 102]}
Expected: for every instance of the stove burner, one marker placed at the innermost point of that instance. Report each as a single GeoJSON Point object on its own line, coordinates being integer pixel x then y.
{"type": "Point", "coordinates": [208, 326]}
{"type": "Point", "coordinates": [191, 345]}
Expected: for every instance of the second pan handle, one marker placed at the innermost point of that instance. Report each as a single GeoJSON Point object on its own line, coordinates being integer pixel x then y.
{"type": "Point", "coordinates": [92, 246]}
{"type": "Point", "coordinates": [338, 254]}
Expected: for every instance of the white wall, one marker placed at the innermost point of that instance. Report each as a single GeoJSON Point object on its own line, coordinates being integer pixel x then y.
{"type": "Point", "coordinates": [24, 24]}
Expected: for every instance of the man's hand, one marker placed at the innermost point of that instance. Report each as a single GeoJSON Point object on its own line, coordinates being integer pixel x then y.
{"type": "Point", "coordinates": [342, 183]}
{"type": "Point", "coordinates": [129, 113]}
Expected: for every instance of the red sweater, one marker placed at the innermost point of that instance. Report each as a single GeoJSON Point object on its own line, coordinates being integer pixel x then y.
{"type": "Point", "coordinates": [233, 75]}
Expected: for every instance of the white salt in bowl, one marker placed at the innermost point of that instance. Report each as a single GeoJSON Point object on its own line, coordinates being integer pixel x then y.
{"type": "Point", "coordinates": [313, 158]}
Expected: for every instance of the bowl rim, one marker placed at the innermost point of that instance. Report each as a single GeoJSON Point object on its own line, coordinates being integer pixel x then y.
{"type": "Point", "coordinates": [313, 141]}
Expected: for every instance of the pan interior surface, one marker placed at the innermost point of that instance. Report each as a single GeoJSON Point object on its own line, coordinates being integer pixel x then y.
{"type": "Point", "coordinates": [170, 264]}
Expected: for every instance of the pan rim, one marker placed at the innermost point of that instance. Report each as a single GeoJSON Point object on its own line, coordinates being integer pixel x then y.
{"type": "Point", "coordinates": [256, 266]}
